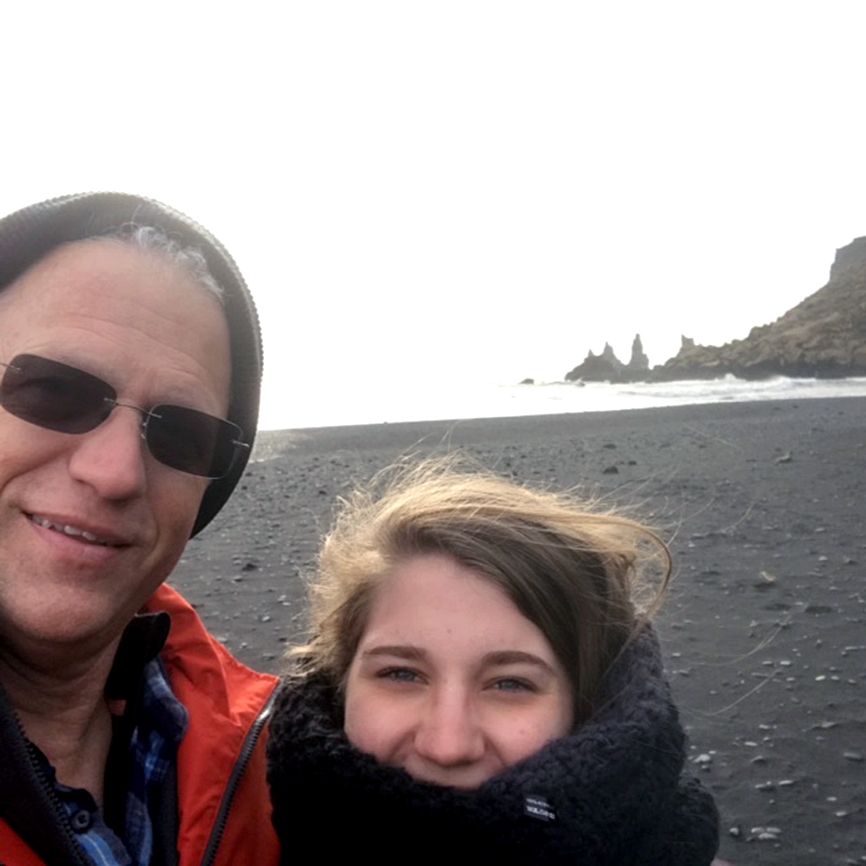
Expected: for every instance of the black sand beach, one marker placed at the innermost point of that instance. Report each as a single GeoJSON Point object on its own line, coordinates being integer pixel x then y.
{"type": "Point", "coordinates": [765, 627]}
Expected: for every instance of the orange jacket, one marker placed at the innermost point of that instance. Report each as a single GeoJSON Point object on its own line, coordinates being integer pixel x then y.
{"type": "Point", "coordinates": [223, 801]}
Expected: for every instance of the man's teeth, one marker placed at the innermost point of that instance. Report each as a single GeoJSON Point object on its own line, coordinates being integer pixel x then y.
{"type": "Point", "coordinates": [67, 529]}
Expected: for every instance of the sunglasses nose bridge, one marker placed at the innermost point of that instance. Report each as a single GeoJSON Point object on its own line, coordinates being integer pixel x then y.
{"type": "Point", "coordinates": [146, 414]}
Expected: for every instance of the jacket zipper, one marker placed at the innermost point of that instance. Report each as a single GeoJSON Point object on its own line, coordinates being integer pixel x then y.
{"type": "Point", "coordinates": [247, 749]}
{"type": "Point", "coordinates": [42, 782]}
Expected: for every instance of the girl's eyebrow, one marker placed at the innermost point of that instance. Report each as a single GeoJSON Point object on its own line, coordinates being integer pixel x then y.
{"type": "Point", "coordinates": [510, 657]}
{"type": "Point", "coordinates": [403, 651]}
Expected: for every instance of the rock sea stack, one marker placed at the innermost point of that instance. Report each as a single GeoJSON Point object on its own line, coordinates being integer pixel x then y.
{"type": "Point", "coordinates": [606, 367]}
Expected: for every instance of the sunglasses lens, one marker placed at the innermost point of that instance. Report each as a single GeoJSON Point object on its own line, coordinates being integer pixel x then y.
{"type": "Point", "coordinates": [192, 441]}
{"type": "Point", "coordinates": [54, 395]}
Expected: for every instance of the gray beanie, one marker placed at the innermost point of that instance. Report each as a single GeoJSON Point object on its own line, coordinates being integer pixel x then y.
{"type": "Point", "coordinates": [29, 234]}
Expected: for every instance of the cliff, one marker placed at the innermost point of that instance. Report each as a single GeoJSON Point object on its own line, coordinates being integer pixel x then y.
{"type": "Point", "coordinates": [823, 336]}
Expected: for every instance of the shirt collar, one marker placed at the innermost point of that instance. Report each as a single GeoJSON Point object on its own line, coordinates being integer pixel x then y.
{"type": "Point", "coordinates": [141, 642]}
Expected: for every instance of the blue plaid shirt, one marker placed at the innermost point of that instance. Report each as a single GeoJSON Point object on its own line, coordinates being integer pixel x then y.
{"type": "Point", "coordinates": [161, 724]}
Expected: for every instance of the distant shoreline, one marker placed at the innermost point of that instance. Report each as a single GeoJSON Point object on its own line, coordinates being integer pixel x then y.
{"type": "Point", "coordinates": [379, 405]}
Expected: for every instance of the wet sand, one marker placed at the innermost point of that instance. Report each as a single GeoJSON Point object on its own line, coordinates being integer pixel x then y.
{"type": "Point", "coordinates": [764, 629]}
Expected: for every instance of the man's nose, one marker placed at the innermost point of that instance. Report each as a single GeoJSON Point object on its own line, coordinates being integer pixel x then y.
{"type": "Point", "coordinates": [110, 458]}
{"type": "Point", "coordinates": [449, 732]}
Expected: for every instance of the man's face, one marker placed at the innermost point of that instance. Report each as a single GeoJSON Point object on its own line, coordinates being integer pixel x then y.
{"type": "Point", "coordinates": [149, 330]}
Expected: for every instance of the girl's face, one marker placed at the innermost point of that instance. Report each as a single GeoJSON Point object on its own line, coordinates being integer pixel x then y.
{"type": "Point", "coordinates": [450, 681]}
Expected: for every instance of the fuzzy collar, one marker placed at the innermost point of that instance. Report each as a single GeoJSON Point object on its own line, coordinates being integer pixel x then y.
{"type": "Point", "coordinates": [610, 793]}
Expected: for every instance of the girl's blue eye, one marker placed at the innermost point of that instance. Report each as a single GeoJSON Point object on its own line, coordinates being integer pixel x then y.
{"type": "Point", "coordinates": [400, 675]}
{"type": "Point", "coordinates": [510, 684]}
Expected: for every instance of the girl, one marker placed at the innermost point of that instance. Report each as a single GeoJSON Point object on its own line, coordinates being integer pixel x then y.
{"type": "Point", "coordinates": [483, 686]}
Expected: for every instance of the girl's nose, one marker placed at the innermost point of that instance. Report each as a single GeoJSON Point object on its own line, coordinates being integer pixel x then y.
{"type": "Point", "coordinates": [449, 733]}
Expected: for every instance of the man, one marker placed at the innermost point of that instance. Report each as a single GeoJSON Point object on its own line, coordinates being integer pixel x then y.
{"type": "Point", "coordinates": [130, 363]}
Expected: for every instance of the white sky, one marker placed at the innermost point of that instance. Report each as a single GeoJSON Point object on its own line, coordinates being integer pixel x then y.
{"type": "Point", "coordinates": [426, 190]}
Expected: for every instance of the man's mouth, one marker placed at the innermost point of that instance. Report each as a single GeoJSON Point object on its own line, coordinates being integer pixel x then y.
{"type": "Point", "coordinates": [74, 531]}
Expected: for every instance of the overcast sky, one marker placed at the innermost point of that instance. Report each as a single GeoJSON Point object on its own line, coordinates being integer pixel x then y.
{"type": "Point", "coordinates": [484, 189]}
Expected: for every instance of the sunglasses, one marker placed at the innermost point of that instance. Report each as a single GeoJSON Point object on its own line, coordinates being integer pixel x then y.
{"type": "Point", "coordinates": [63, 398]}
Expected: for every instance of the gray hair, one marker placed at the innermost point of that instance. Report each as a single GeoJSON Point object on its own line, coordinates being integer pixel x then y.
{"type": "Point", "coordinates": [187, 258]}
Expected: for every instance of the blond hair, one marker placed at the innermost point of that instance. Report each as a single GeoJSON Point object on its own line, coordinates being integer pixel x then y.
{"type": "Point", "coordinates": [572, 569]}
